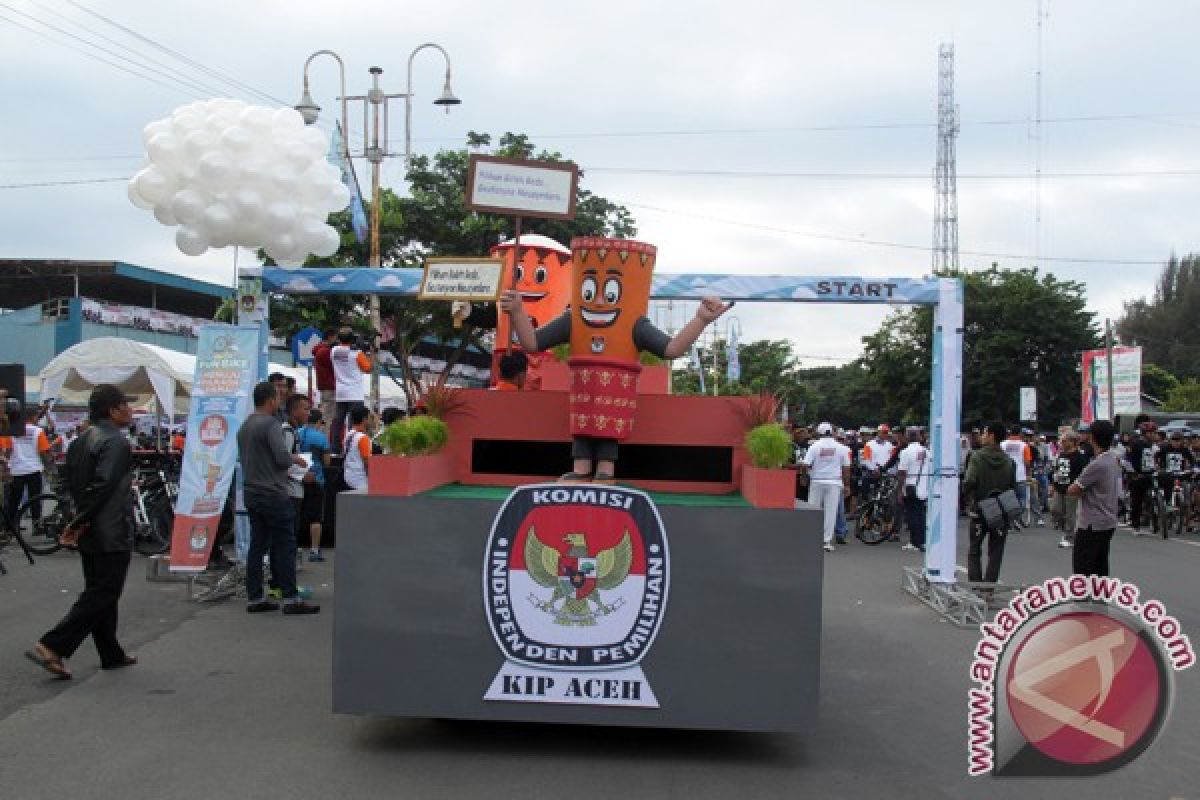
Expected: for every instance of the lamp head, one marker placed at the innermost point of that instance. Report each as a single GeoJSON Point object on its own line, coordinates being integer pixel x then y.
{"type": "Point", "coordinates": [308, 108]}
{"type": "Point", "coordinates": [447, 99]}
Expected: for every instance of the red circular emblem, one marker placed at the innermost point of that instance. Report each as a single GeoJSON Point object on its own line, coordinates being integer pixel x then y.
{"type": "Point", "coordinates": [213, 430]}
{"type": "Point", "coordinates": [1085, 688]}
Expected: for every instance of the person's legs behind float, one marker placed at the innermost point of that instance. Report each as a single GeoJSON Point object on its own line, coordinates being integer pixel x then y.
{"type": "Point", "coordinates": [1090, 555]}
{"type": "Point", "coordinates": [914, 513]}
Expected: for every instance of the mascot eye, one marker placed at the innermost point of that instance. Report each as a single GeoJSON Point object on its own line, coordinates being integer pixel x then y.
{"type": "Point", "coordinates": [612, 291]}
{"type": "Point", "coordinates": [589, 290]}
{"type": "Point", "coordinates": [520, 272]}
{"type": "Point", "coordinates": [539, 274]}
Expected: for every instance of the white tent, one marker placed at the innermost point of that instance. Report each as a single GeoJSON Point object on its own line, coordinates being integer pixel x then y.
{"type": "Point", "coordinates": [147, 372]}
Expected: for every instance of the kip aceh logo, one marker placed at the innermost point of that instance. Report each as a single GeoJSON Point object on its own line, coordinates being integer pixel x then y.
{"type": "Point", "coordinates": [575, 581]}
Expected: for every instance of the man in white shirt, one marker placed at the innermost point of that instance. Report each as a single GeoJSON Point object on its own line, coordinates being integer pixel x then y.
{"type": "Point", "coordinates": [28, 451]}
{"type": "Point", "coordinates": [349, 365]}
{"type": "Point", "coordinates": [827, 464]}
{"type": "Point", "coordinates": [912, 478]}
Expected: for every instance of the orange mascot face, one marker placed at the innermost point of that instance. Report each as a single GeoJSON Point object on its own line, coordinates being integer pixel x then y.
{"type": "Point", "coordinates": [542, 278]}
{"type": "Point", "coordinates": [610, 292]}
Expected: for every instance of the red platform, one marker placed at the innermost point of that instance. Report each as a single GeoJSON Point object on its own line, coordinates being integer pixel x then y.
{"type": "Point", "coordinates": [542, 416]}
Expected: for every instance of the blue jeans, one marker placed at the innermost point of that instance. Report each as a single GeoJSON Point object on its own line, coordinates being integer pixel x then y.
{"type": "Point", "coordinates": [1044, 491]}
{"type": "Point", "coordinates": [272, 530]}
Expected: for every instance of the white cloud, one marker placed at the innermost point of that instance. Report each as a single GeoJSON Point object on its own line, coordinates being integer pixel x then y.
{"type": "Point", "coordinates": [389, 282]}
{"type": "Point", "coordinates": [339, 278]}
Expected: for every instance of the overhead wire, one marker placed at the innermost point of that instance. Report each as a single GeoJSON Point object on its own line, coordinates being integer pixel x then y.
{"type": "Point", "coordinates": [879, 242]}
{"type": "Point", "coordinates": [192, 85]}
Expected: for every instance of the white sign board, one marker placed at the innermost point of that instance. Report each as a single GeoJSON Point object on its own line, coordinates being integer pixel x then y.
{"type": "Point", "coordinates": [1028, 403]}
{"type": "Point", "coordinates": [521, 188]}
{"type": "Point", "coordinates": [474, 279]}
{"type": "Point", "coordinates": [1126, 382]}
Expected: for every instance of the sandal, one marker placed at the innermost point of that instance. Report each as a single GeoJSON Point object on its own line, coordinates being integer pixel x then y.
{"type": "Point", "coordinates": [606, 478]}
{"type": "Point", "coordinates": [575, 477]}
{"type": "Point", "coordinates": [44, 658]}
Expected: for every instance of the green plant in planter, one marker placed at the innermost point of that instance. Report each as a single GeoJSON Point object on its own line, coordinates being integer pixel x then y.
{"type": "Point", "coordinates": [769, 446]}
{"type": "Point", "coordinates": [416, 436]}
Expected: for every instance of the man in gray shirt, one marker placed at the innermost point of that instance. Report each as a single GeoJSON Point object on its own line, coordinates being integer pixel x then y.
{"type": "Point", "coordinates": [265, 459]}
{"type": "Point", "coordinates": [1098, 487]}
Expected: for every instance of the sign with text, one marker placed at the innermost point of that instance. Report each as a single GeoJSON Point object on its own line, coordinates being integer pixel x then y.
{"type": "Point", "coordinates": [521, 188]}
{"type": "Point", "coordinates": [226, 358]}
{"type": "Point", "coordinates": [461, 279]}
{"type": "Point", "coordinates": [1028, 403]}
{"type": "Point", "coordinates": [1126, 383]}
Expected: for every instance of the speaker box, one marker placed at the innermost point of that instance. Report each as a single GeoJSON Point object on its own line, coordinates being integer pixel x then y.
{"type": "Point", "coordinates": [12, 378]}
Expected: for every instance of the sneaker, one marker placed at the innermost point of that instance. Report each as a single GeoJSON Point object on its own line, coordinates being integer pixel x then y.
{"type": "Point", "coordinates": [909, 546]}
{"type": "Point", "coordinates": [275, 593]}
{"type": "Point", "coordinates": [829, 547]}
{"type": "Point", "coordinates": [316, 556]}
{"type": "Point", "coordinates": [1064, 543]}
{"type": "Point", "coordinates": [261, 606]}
{"type": "Point", "coordinates": [841, 540]}
{"type": "Point", "coordinates": [301, 607]}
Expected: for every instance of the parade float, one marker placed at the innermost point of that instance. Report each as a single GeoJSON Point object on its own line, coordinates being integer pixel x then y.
{"type": "Point", "coordinates": [671, 597]}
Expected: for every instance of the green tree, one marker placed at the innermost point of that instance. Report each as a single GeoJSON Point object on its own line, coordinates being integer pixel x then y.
{"type": "Point", "coordinates": [1022, 328]}
{"type": "Point", "coordinates": [1184, 397]}
{"type": "Point", "coordinates": [1167, 326]}
{"type": "Point", "coordinates": [1157, 382]}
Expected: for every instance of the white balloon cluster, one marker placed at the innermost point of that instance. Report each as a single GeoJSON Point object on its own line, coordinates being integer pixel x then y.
{"type": "Point", "coordinates": [228, 173]}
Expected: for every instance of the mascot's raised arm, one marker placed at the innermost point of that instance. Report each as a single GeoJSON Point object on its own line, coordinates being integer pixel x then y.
{"type": "Point", "coordinates": [607, 327]}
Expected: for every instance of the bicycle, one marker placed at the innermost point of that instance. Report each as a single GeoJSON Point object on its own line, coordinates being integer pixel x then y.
{"type": "Point", "coordinates": [1173, 510]}
{"type": "Point", "coordinates": [153, 516]}
{"type": "Point", "coordinates": [875, 521]}
{"type": "Point", "coordinates": [38, 536]}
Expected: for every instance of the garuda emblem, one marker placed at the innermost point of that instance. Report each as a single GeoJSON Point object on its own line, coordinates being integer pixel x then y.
{"type": "Point", "coordinates": [577, 577]}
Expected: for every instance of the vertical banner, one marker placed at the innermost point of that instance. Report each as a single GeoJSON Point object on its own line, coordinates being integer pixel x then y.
{"type": "Point", "coordinates": [1028, 404]}
{"type": "Point", "coordinates": [337, 157]}
{"type": "Point", "coordinates": [733, 362]}
{"type": "Point", "coordinates": [226, 363]}
{"type": "Point", "coordinates": [695, 364]}
{"type": "Point", "coordinates": [1127, 383]}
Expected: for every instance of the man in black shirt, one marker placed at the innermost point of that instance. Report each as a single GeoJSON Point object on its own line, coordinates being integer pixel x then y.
{"type": "Point", "coordinates": [1067, 466]}
{"type": "Point", "coordinates": [1141, 458]}
{"type": "Point", "coordinates": [1173, 461]}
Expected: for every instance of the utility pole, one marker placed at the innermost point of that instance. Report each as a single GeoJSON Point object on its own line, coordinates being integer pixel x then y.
{"type": "Point", "coordinates": [945, 174]}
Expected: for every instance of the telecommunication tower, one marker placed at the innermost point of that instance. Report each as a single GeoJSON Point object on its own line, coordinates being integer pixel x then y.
{"type": "Point", "coordinates": [945, 174]}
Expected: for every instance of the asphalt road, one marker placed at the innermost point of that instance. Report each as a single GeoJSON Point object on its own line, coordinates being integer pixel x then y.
{"type": "Point", "coordinates": [225, 703]}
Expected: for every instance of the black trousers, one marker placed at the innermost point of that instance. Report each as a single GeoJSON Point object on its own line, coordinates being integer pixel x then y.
{"type": "Point", "coordinates": [1138, 486]}
{"type": "Point", "coordinates": [995, 553]}
{"type": "Point", "coordinates": [339, 425]}
{"type": "Point", "coordinates": [95, 612]}
{"type": "Point", "coordinates": [593, 449]}
{"type": "Point", "coordinates": [20, 484]}
{"type": "Point", "coordinates": [1090, 556]}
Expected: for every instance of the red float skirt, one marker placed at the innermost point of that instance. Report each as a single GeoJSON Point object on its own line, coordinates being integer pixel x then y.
{"type": "Point", "coordinates": [603, 397]}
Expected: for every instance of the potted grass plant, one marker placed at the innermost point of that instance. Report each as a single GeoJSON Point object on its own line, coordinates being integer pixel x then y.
{"type": "Point", "coordinates": [414, 458]}
{"type": "Point", "coordinates": [765, 483]}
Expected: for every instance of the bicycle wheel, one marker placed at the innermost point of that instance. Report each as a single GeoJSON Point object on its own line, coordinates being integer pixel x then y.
{"type": "Point", "coordinates": [155, 537]}
{"type": "Point", "coordinates": [41, 534]}
{"type": "Point", "coordinates": [869, 526]}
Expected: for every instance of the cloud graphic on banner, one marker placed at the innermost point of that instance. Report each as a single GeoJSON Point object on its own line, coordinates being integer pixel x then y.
{"type": "Point", "coordinates": [300, 285]}
{"type": "Point", "coordinates": [389, 282]}
{"type": "Point", "coordinates": [338, 279]}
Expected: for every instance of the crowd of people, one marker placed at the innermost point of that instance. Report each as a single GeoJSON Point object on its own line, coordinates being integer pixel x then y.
{"type": "Point", "coordinates": [840, 469]}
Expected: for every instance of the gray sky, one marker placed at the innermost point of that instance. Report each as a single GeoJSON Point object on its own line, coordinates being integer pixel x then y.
{"type": "Point", "coordinates": [753, 87]}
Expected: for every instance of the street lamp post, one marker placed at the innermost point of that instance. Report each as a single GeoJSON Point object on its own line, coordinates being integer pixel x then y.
{"type": "Point", "coordinates": [375, 149]}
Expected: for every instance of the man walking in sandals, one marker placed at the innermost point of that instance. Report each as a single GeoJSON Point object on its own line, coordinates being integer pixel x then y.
{"type": "Point", "coordinates": [99, 477]}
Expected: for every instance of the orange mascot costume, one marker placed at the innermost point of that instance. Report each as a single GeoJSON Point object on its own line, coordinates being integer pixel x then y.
{"type": "Point", "coordinates": [544, 280]}
{"type": "Point", "coordinates": [607, 328]}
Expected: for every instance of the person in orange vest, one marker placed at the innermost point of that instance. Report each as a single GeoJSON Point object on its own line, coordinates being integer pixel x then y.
{"type": "Point", "coordinates": [514, 368]}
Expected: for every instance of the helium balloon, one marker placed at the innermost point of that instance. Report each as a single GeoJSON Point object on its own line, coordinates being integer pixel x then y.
{"type": "Point", "coordinates": [188, 206]}
{"type": "Point", "coordinates": [190, 241]}
{"type": "Point", "coordinates": [135, 198]}
{"type": "Point", "coordinates": [230, 173]}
